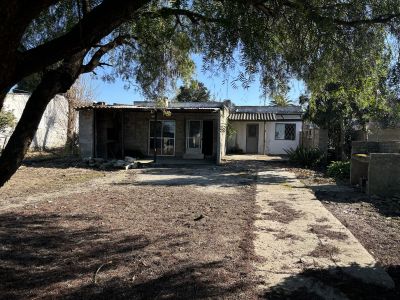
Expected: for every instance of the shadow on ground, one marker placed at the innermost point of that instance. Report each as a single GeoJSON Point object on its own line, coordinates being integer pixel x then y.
{"type": "Point", "coordinates": [51, 256]}
{"type": "Point", "coordinates": [332, 283]}
{"type": "Point", "coordinates": [347, 194]}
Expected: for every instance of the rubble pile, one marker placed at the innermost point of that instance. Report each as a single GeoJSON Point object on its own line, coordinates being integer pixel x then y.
{"type": "Point", "coordinates": [103, 164]}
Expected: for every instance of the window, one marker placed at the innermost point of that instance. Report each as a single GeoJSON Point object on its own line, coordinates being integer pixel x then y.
{"type": "Point", "coordinates": [163, 138]}
{"type": "Point", "coordinates": [285, 131]}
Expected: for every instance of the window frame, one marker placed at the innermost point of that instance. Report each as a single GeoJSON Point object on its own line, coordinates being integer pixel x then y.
{"type": "Point", "coordinates": [150, 150]}
{"type": "Point", "coordinates": [284, 138]}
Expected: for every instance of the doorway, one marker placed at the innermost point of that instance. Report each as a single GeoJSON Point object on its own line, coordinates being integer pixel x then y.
{"type": "Point", "coordinates": [208, 137]}
{"type": "Point", "coordinates": [252, 138]}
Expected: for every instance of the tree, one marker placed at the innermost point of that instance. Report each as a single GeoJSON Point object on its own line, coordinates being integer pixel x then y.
{"type": "Point", "coordinates": [342, 106]}
{"type": "Point", "coordinates": [280, 100]}
{"type": "Point", "coordinates": [149, 44]}
{"type": "Point", "coordinates": [195, 92]}
{"type": "Point", "coordinates": [28, 84]}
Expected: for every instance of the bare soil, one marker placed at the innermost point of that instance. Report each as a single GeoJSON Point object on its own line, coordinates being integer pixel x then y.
{"type": "Point", "coordinates": [374, 221]}
{"type": "Point", "coordinates": [123, 239]}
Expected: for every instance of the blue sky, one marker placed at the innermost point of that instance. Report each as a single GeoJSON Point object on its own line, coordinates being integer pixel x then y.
{"type": "Point", "coordinates": [216, 84]}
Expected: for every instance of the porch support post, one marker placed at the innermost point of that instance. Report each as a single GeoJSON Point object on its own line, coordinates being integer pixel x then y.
{"type": "Point", "coordinates": [155, 136]}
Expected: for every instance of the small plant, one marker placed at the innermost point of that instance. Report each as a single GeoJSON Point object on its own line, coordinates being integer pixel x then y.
{"type": "Point", "coordinates": [339, 169]}
{"type": "Point", "coordinates": [7, 120]}
{"type": "Point", "coordinates": [306, 157]}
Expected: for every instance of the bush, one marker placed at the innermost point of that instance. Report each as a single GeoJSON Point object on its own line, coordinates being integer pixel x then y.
{"type": "Point", "coordinates": [339, 169]}
{"type": "Point", "coordinates": [306, 157]}
{"type": "Point", "coordinates": [7, 120]}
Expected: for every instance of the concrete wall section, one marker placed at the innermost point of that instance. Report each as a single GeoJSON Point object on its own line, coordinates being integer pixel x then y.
{"type": "Point", "coordinates": [384, 174]}
{"type": "Point", "coordinates": [52, 130]}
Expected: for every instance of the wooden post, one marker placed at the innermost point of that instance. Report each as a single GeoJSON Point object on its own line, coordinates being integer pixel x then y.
{"type": "Point", "coordinates": [155, 136]}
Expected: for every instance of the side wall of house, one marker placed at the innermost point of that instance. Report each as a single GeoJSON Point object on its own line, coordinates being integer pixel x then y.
{"type": "Point", "coordinates": [278, 146]}
{"type": "Point", "coordinates": [52, 130]}
{"type": "Point", "coordinates": [272, 146]}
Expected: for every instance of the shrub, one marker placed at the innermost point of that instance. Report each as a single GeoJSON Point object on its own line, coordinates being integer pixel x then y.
{"type": "Point", "coordinates": [7, 120]}
{"type": "Point", "coordinates": [306, 157]}
{"type": "Point", "coordinates": [339, 169]}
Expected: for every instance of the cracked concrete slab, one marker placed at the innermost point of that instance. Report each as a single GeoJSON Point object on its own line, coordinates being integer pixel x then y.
{"type": "Point", "coordinates": [296, 233]}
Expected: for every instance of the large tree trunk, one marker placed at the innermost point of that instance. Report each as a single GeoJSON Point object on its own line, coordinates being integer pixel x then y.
{"type": "Point", "coordinates": [53, 82]}
{"type": "Point", "coordinates": [15, 17]}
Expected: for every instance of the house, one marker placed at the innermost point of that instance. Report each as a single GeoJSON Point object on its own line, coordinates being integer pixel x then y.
{"type": "Point", "coordinates": [52, 130]}
{"type": "Point", "coordinates": [264, 129]}
{"type": "Point", "coordinates": [180, 130]}
{"type": "Point", "coordinates": [184, 130]}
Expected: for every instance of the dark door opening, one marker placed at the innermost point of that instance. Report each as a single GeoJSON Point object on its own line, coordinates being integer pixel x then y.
{"type": "Point", "coordinates": [252, 139]}
{"type": "Point", "coordinates": [208, 138]}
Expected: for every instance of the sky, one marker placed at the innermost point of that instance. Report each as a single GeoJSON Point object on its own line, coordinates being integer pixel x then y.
{"type": "Point", "coordinates": [218, 85]}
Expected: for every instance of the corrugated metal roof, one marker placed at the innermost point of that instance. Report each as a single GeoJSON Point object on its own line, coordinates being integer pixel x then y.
{"type": "Point", "coordinates": [141, 108]}
{"type": "Point", "coordinates": [252, 117]}
{"type": "Point", "coordinates": [291, 109]}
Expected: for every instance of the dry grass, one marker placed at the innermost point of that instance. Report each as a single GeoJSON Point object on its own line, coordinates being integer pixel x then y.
{"type": "Point", "coordinates": [130, 241]}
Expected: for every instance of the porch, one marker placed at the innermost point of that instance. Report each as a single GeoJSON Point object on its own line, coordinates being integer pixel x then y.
{"type": "Point", "coordinates": [112, 132]}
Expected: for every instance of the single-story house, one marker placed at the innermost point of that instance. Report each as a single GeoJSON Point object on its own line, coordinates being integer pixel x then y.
{"type": "Point", "coordinates": [184, 130]}
{"type": "Point", "coordinates": [264, 129]}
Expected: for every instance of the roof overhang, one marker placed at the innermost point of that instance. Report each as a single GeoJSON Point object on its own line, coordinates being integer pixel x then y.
{"type": "Point", "coordinates": [147, 109]}
{"type": "Point", "coordinates": [241, 116]}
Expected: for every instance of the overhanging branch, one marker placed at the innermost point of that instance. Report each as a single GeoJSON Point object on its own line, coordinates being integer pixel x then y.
{"type": "Point", "coordinates": [95, 61]}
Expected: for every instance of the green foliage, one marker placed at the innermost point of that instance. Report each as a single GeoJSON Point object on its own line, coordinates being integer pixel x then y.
{"type": "Point", "coordinates": [7, 120]}
{"type": "Point", "coordinates": [339, 169]}
{"type": "Point", "coordinates": [280, 100]}
{"type": "Point", "coordinates": [271, 40]}
{"type": "Point", "coordinates": [306, 157]}
{"type": "Point", "coordinates": [195, 92]}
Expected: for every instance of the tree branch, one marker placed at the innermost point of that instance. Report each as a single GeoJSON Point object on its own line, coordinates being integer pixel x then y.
{"type": "Point", "coordinates": [112, 14]}
{"type": "Point", "coordinates": [316, 16]}
{"type": "Point", "coordinates": [95, 60]}
{"type": "Point", "coordinates": [192, 16]}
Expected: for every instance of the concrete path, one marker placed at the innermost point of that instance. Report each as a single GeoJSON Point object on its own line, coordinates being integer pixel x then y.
{"type": "Point", "coordinates": [303, 245]}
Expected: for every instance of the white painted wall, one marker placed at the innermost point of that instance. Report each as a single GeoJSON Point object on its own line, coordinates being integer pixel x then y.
{"type": "Point", "coordinates": [272, 146]}
{"type": "Point", "coordinates": [52, 130]}
{"type": "Point", "coordinates": [279, 146]}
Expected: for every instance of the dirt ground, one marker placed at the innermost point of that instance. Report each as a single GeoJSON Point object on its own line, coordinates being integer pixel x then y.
{"type": "Point", "coordinates": [140, 234]}
{"type": "Point", "coordinates": [374, 221]}
{"type": "Point", "coordinates": [71, 232]}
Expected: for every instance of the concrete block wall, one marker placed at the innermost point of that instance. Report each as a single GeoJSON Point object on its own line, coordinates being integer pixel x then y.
{"type": "Point", "coordinates": [364, 147]}
{"type": "Point", "coordinates": [52, 129]}
{"type": "Point", "coordinates": [386, 134]}
{"type": "Point", "coordinates": [389, 147]}
{"type": "Point", "coordinates": [86, 133]}
{"type": "Point", "coordinates": [384, 174]}
{"type": "Point", "coordinates": [137, 130]}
